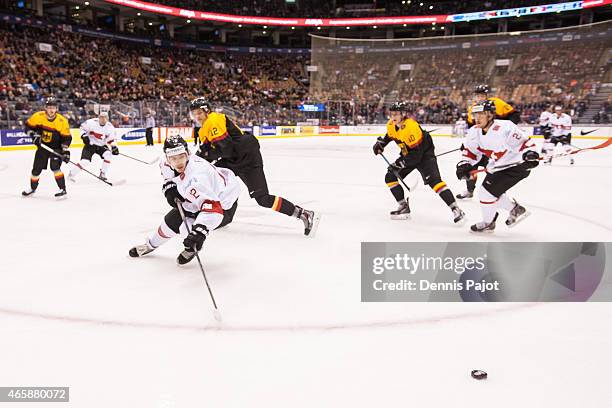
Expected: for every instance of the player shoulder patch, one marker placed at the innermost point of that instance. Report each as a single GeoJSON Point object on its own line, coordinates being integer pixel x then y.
{"type": "Point", "coordinates": [496, 127]}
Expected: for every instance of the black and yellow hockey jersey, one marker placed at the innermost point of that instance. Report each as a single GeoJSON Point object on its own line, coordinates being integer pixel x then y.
{"type": "Point", "coordinates": [223, 139]}
{"type": "Point", "coordinates": [415, 143]}
{"type": "Point", "coordinates": [503, 110]}
{"type": "Point", "coordinates": [54, 133]}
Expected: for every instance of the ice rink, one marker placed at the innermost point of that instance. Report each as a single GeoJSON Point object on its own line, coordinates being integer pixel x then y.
{"type": "Point", "coordinates": [76, 311]}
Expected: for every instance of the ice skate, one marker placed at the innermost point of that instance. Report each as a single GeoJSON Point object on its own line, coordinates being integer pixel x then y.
{"type": "Point", "coordinates": [458, 214]}
{"type": "Point", "coordinates": [28, 192]}
{"type": "Point", "coordinates": [517, 214]}
{"type": "Point", "coordinates": [480, 227]}
{"type": "Point", "coordinates": [140, 250]}
{"type": "Point", "coordinates": [311, 220]}
{"type": "Point", "coordinates": [61, 194]}
{"type": "Point", "coordinates": [465, 195]}
{"type": "Point", "coordinates": [402, 212]}
{"type": "Point", "coordinates": [186, 256]}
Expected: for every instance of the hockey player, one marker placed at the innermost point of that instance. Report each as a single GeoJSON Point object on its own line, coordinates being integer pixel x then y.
{"type": "Point", "coordinates": [208, 196]}
{"type": "Point", "coordinates": [460, 127]}
{"type": "Point", "coordinates": [98, 136]}
{"type": "Point", "coordinates": [503, 111]}
{"type": "Point", "coordinates": [416, 152]}
{"type": "Point", "coordinates": [224, 142]}
{"type": "Point", "coordinates": [504, 144]}
{"type": "Point", "coordinates": [561, 124]}
{"type": "Point", "coordinates": [51, 129]}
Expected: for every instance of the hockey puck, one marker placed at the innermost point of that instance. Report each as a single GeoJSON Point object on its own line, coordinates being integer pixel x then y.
{"type": "Point", "coordinates": [479, 375]}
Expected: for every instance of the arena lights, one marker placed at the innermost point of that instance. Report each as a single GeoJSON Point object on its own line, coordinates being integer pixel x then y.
{"type": "Point", "coordinates": [360, 21]}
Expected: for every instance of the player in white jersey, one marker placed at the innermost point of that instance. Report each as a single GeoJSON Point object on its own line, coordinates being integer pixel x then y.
{"type": "Point", "coordinates": [460, 127]}
{"type": "Point", "coordinates": [505, 145]}
{"type": "Point", "coordinates": [98, 135]}
{"type": "Point", "coordinates": [561, 124]}
{"type": "Point", "coordinates": [208, 196]}
{"type": "Point", "coordinates": [545, 127]}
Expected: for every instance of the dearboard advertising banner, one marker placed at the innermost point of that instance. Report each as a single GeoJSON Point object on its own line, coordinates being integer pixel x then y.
{"type": "Point", "coordinates": [268, 130]}
{"type": "Point", "coordinates": [14, 138]}
{"type": "Point", "coordinates": [130, 134]}
{"type": "Point", "coordinates": [329, 130]}
{"type": "Point", "coordinates": [308, 130]}
{"type": "Point", "coordinates": [288, 130]}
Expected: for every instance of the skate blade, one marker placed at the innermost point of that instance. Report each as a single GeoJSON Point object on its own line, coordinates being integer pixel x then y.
{"type": "Point", "coordinates": [519, 220]}
{"type": "Point", "coordinates": [461, 221]}
{"type": "Point", "coordinates": [315, 225]}
{"type": "Point", "coordinates": [481, 232]}
{"type": "Point", "coordinates": [400, 217]}
{"type": "Point", "coordinates": [61, 198]}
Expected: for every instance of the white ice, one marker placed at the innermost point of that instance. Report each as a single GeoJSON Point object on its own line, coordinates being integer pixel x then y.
{"type": "Point", "coordinates": [76, 311]}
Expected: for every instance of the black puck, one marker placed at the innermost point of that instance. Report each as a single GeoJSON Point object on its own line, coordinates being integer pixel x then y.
{"type": "Point", "coordinates": [479, 375]}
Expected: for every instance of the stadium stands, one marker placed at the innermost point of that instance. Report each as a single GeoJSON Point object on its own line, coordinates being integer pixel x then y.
{"type": "Point", "coordinates": [82, 70]}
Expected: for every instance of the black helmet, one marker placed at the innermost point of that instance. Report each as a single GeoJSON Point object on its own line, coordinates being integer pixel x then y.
{"type": "Point", "coordinates": [482, 89]}
{"type": "Point", "coordinates": [399, 107]}
{"type": "Point", "coordinates": [50, 101]}
{"type": "Point", "coordinates": [175, 145]}
{"type": "Point", "coordinates": [200, 103]}
{"type": "Point", "coordinates": [484, 106]}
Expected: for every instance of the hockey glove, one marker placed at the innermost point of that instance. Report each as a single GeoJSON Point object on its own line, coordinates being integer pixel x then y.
{"type": "Point", "coordinates": [86, 140]}
{"type": "Point", "coordinates": [65, 154]}
{"type": "Point", "coordinates": [114, 150]}
{"type": "Point", "coordinates": [196, 237]}
{"type": "Point", "coordinates": [532, 159]}
{"type": "Point", "coordinates": [35, 137]}
{"type": "Point", "coordinates": [171, 192]}
{"type": "Point", "coordinates": [379, 146]}
{"type": "Point", "coordinates": [396, 166]}
{"type": "Point", "coordinates": [464, 168]}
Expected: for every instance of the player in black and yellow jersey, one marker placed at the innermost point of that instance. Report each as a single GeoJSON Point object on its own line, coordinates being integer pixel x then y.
{"type": "Point", "coordinates": [51, 129]}
{"type": "Point", "coordinates": [503, 111]}
{"type": "Point", "coordinates": [416, 152]}
{"type": "Point", "coordinates": [224, 142]}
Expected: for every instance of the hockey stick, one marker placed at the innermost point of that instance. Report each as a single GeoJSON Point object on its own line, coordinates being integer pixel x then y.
{"type": "Point", "coordinates": [395, 172]}
{"type": "Point", "coordinates": [138, 160]}
{"type": "Point", "coordinates": [53, 152]}
{"type": "Point", "coordinates": [216, 313]}
{"type": "Point", "coordinates": [607, 143]}
{"type": "Point", "coordinates": [450, 151]}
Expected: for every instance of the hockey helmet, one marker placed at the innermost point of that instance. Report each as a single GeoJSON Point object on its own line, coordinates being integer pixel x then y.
{"type": "Point", "coordinates": [175, 145]}
{"type": "Point", "coordinates": [484, 106]}
{"type": "Point", "coordinates": [200, 103]}
{"type": "Point", "coordinates": [399, 107]}
{"type": "Point", "coordinates": [482, 89]}
{"type": "Point", "coordinates": [50, 101]}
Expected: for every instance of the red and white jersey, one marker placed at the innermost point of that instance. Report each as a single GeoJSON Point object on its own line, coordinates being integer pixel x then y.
{"type": "Point", "coordinates": [98, 135]}
{"type": "Point", "coordinates": [545, 118]}
{"type": "Point", "coordinates": [207, 190]}
{"type": "Point", "coordinates": [503, 144]}
{"type": "Point", "coordinates": [561, 125]}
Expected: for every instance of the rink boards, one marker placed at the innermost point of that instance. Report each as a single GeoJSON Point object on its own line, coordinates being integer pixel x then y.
{"type": "Point", "coordinates": [18, 139]}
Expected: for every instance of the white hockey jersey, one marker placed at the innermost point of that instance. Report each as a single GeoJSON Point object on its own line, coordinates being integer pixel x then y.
{"type": "Point", "coordinates": [545, 118]}
{"type": "Point", "coordinates": [503, 144]}
{"type": "Point", "coordinates": [207, 190]}
{"type": "Point", "coordinates": [98, 135]}
{"type": "Point", "coordinates": [460, 128]}
{"type": "Point", "coordinates": [561, 125]}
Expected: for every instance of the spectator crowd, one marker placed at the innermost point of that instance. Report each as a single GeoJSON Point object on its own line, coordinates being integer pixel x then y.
{"type": "Point", "coordinates": [263, 89]}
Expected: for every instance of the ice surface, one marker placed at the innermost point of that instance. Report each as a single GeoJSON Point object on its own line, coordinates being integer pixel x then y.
{"type": "Point", "coordinates": [75, 310]}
